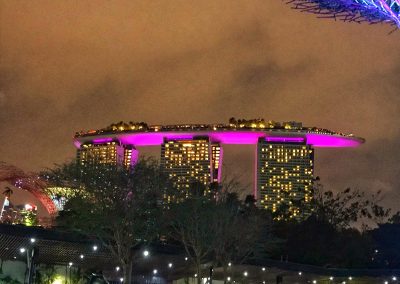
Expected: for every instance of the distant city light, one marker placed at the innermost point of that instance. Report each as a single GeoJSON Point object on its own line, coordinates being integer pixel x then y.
{"type": "Point", "coordinates": [331, 278]}
{"type": "Point", "coordinates": [81, 256]}
{"type": "Point", "coordinates": [146, 253]}
{"type": "Point", "coordinates": [117, 268]}
{"type": "Point", "coordinates": [186, 258]}
{"type": "Point", "coordinates": [195, 275]}
{"type": "Point", "coordinates": [33, 240]}
{"type": "Point", "coordinates": [28, 207]}
{"type": "Point", "coordinates": [70, 263]}
{"type": "Point", "coordinates": [170, 265]}
{"type": "Point", "coordinates": [121, 279]}
{"type": "Point", "coordinates": [350, 278]}
{"type": "Point", "coordinates": [22, 250]}
{"type": "Point", "coordinates": [228, 278]}
{"type": "Point", "coordinates": [155, 271]}
{"type": "Point", "coordinates": [300, 273]}
{"type": "Point", "coordinates": [394, 278]}
{"type": "Point", "coordinates": [314, 281]}
{"type": "Point", "coordinates": [94, 247]}
{"type": "Point", "coordinates": [230, 264]}
{"type": "Point", "coordinates": [263, 269]}
{"type": "Point", "coordinates": [245, 273]}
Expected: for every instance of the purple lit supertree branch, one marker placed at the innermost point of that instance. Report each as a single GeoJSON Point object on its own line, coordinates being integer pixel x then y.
{"type": "Point", "coordinates": [372, 11]}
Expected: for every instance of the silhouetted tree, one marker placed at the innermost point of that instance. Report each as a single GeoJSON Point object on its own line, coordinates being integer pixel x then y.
{"type": "Point", "coordinates": [189, 223]}
{"type": "Point", "coordinates": [119, 206]}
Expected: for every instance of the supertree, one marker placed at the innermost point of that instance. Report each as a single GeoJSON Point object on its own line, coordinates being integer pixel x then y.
{"type": "Point", "coordinates": [29, 182]}
{"type": "Point", "coordinates": [371, 11]}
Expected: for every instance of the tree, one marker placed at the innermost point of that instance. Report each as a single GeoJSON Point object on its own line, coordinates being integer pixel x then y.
{"type": "Point", "coordinates": [189, 223]}
{"type": "Point", "coordinates": [119, 206]}
{"type": "Point", "coordinates": [237, 228]}
{"type": "Point", "coordinates": [8, 192]}
{"type": "Point", "coordinates": [346, 207]}
{"type": "Point", "coordinates": [217, 229]}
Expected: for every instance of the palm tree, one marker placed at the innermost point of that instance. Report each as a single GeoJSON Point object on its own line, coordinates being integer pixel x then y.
{"type": "Point", "coordinates": [8, 192]}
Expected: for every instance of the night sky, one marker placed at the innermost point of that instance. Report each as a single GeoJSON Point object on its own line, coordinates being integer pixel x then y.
{"type": "Point", "coordinates": [76, 65]}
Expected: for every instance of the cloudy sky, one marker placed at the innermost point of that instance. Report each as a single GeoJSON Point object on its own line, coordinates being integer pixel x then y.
{"type": "Point", "coordinates": [75, 65]}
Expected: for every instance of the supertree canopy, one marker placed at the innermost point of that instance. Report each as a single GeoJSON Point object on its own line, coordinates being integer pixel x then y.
{"type": "Point", "coordinates": [372, 11]}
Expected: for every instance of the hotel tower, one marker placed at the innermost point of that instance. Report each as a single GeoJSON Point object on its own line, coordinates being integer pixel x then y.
{"type": "Point", "coordinates": [192, 153]}
{"type": "Point", "coordinates": [284, 177]}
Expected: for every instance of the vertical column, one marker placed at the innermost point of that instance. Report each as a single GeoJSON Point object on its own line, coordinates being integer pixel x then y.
{"type": "Point", "coordinates": [216, 162]}
{"type": "Point", "coordinates": [131, 156]}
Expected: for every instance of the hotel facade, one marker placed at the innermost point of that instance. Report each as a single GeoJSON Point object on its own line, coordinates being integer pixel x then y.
{"type": "Point", "coordinates": [192, 153]}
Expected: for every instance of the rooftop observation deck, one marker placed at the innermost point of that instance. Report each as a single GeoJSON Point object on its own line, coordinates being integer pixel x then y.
{"type": "Point", "coordinates": [241, 132]}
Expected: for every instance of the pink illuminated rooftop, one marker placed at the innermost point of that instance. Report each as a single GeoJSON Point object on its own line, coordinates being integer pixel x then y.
{"type": "Point", "coordinates": [246, 132]}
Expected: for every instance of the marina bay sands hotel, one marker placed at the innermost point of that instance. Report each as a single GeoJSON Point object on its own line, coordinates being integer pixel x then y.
{"type": "Point", "coordinates": [194, 152]}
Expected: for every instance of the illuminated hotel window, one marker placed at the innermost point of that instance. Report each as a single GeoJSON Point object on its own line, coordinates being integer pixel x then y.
{"type": "Point", "coordinates": [285, 168]}
{"type": "Point", "coordinates": [190, 161]}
